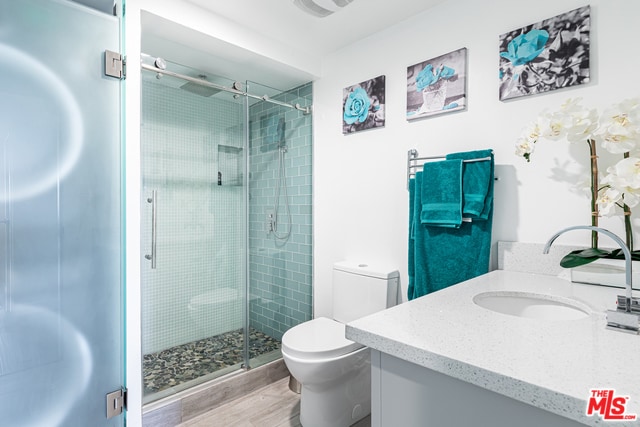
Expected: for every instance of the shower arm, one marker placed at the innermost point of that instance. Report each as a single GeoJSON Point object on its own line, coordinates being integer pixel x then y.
{"type": "Point", "coordinates": [305, 110]}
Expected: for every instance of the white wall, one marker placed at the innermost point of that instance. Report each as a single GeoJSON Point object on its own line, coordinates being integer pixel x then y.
{"type": "Point", "coordinates": [360, 200]}
{"type": "Point", "coordinates": [360, 196]}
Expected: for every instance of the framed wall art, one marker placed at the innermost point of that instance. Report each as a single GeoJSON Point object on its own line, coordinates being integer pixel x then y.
{"type": "Point", "coordinates": [437, 85]}
{"type": "Point", "coordinates": [545, 56]}
{"type": "Point", "coordinates": [363, 106]}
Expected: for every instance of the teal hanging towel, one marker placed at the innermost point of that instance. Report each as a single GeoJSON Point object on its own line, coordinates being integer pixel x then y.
{"type": "Point", "coordinates": [442, 194]}
{"type": "Point", "coordinates": [441, 256]}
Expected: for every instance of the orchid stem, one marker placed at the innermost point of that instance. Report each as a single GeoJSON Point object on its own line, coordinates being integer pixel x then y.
{"type": "Point", "coordinates": [594, 191]}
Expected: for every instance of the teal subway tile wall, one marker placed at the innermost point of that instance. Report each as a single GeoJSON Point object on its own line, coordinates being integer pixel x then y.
{"type": "Point", "coordinates": [280, 270]}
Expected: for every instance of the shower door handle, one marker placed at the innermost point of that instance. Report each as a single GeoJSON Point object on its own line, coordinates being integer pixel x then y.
{"type": "Point", "coordinates": [154, 221]}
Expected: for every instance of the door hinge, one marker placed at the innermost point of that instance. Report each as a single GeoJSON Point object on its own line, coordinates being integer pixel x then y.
{"type": "Point", "coordinates": [115, 65]}
{"type": "Point", "coordinates": [116, 402]}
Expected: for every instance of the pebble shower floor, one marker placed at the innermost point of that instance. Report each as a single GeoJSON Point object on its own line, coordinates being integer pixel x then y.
{"type": "Point", "coordinates": [177, 365]}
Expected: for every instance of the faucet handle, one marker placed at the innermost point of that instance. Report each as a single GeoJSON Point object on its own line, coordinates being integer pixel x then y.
{"type": "Point", "coordinates": [622, 304]}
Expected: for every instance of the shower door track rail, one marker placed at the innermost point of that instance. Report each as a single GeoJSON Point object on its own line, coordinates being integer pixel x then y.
{"type": "Point", "coordinates": [305, 110]}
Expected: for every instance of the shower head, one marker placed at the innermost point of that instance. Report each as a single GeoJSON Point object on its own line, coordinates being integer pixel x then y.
{"type": "Point", "coordinates": [199, 89]}
{"type": "Point", "coordinates": [282, 127]}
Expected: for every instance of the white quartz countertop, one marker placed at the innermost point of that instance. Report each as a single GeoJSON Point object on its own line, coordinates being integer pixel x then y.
{"type": "Point", "coordinates": [552, 365]}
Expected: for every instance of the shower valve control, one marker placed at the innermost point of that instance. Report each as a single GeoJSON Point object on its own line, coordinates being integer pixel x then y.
{"type": "Point", "coordinates": [271, 220]}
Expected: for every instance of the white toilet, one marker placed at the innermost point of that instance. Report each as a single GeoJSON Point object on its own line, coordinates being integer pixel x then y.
{"type": "Point", "coordinates": [335, 372]}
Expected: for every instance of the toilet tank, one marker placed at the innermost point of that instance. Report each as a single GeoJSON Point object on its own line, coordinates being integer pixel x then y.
{"type": "Point", "coordinates": [360, 289]}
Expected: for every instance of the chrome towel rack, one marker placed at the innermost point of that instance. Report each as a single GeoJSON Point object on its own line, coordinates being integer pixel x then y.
{"type": "Point", "coordinates": [414, 165]}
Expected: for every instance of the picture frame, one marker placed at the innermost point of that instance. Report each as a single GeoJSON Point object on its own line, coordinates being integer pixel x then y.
{"type": "Point", "coordinates": [548, 55]}
{"type": "Point", "coordinates": [363, 105]}
{"type": "Point", "coordinates": [437, 85]}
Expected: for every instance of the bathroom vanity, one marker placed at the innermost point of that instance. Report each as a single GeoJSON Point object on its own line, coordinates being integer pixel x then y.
{"type": "Point", "coordinates": [503, 349]}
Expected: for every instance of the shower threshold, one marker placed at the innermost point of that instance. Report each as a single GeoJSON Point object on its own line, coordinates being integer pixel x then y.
{"type": "Point", "coordinates": [178, 368]}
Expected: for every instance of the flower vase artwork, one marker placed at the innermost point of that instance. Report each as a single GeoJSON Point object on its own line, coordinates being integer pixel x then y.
{"type": "Point", "coordinates": [548, 55]}
{"type": "Point", "coordinates": [434, 87]}
{"type": "Point", "coordinates": [616, 130]}
{"type": "Point", "coordinates": [437, 85]}
{"type": "Point", "coordinates": [363, 106]}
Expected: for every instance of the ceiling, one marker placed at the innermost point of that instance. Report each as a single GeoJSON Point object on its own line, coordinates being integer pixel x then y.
{"type": "Point", "coordinates": [281, 22]}
{"type": "Point", "coordinates": [284, 22]}
{"type": "Point", "coordinates": [278, 21]}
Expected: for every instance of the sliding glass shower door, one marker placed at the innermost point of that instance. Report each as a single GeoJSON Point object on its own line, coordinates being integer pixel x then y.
{"type": "Point", "coordinates": [226, 225]}
{"type": "Point", "coordinates": [194, 233]}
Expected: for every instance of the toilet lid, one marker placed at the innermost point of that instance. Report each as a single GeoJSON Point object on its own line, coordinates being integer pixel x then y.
{"type": "Point", "coordinates": [320, 338]}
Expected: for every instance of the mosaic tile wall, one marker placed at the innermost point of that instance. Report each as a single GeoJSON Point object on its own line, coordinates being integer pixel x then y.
{"type": "Point", "coordinates": [280, 270]}
{"type": "Point", "coordinates": [186, 140]}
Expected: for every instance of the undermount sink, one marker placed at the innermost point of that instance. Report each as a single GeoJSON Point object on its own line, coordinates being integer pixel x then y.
{"type": "Point", "coordinates": [532, 306]}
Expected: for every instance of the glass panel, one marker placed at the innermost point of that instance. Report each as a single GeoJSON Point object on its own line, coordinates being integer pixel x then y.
{"type": "Point", "coordinates": [61, 330]}
{"type": "Point", "coordinates": [196, 302]}
{"type": "Point", "coordinates": [193, 161]}
{"type": "Point", "coordinates": [280, 250]}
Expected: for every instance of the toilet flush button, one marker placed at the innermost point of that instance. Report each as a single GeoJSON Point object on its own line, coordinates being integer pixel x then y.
{"type": "Point", "coordinates": [357, 412]}
{"type": "Point", "coordinates": [363, 265]}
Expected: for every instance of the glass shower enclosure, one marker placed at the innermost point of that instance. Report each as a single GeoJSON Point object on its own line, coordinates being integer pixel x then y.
{"type": "Point", "coordinates": [226, 225]}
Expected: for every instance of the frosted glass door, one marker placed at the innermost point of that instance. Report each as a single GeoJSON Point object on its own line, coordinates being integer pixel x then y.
{"type": "Point", "coordinates": [61, 304]}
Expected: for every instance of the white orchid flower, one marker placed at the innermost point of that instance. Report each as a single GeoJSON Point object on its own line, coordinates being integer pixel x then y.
{"type": "Point", "coordinates": [584, 123]}
{"type": "Point", "coordinates": [624, 174]}
{"type": "Point", "coordinates": [524, 147]}
{"type": "Point", "coordinates": [532, 132]}
{"type": "Point", "coordinates": [574, 121]}
{"type": "Point", "coordinates": [619, 130]}
{"type": "Point", "coordinates": [554, 125]}
{"type": "Point", "coordinates": [624, 177]}
{"type": "Point", "coordinates": [607, 201]}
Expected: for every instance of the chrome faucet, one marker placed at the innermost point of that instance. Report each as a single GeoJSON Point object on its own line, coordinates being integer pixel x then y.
{"type": "Point", "coordinates": [623, 318]}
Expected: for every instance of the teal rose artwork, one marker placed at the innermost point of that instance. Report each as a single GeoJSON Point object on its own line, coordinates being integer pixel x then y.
{"type": "Point", "coordinates": [356, 107]}
{"type": "Point", "coordinates": [363, 105]}
{"type": "Point", "coordinates": [437, 85]}
{"type": "Point", "coordinates": [526, 47]}
{"type": "Point", "coordinates": [549, 55]}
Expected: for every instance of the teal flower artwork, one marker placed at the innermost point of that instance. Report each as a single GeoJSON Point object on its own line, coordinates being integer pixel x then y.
{"type": "Point", "coordinates": [437, 85]}
{"type": "Point", "coordinates": [363, 106]}
{"type": "Point", "coordinates": [551, 54]}
{"type": "Point", "coordinates": [356, 107]}
{"type": "Point", "coordinates": [430, 76]}
{"type": "Point", "coordinates": [526, 47]}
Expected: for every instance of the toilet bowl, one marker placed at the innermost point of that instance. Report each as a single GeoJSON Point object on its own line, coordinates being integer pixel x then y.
{"type": "Point", "coordinates": [334, 371]}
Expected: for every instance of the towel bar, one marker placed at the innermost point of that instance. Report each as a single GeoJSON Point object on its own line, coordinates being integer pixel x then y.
{"type": "Point", "coordinates": [413, 165]}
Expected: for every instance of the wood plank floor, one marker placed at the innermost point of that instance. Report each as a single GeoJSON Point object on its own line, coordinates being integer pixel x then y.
{"type": "Point", "coordinates": [271, 406]}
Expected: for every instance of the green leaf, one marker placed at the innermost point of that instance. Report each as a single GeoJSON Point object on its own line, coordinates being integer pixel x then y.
{"type": "Point", "coordinates": [617, 254]}
{"type": "Point", "coordinates": [583, 256]}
